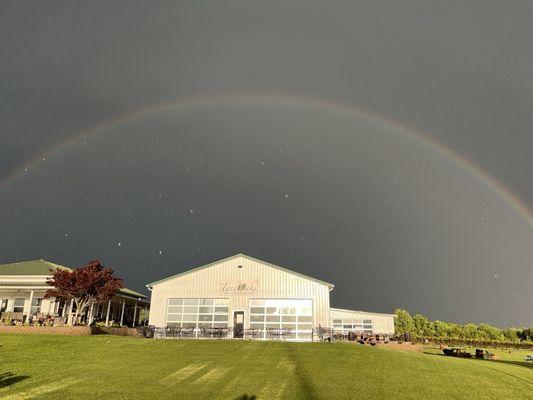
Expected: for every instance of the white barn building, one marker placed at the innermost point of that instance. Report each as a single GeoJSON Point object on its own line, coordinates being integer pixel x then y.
{"type": "Point", "coordinates": [256, 299]}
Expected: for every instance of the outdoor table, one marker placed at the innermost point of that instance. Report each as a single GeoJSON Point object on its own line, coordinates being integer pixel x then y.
{"type": "Point", "coordinates": [217, 332]}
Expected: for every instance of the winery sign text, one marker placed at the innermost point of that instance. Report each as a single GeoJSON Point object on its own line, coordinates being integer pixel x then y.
{"type": "Point", "coordinates": [240, 286]}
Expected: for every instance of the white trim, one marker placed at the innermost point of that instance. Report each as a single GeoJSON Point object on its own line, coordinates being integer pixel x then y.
{"type": "Point", "coordinates": [361, 312]}
{"type": "Point", "coordinates": [134, 314]}
{"type": "Point", "coordinates": [122, 312]}
{"type": "Point", "coordinates": [6, 287]}
{"type": "Point", "coordinates": [107, 313]}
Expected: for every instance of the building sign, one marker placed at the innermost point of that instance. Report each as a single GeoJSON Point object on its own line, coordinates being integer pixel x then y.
{"type": "Point", "coordinates": [240, 286]}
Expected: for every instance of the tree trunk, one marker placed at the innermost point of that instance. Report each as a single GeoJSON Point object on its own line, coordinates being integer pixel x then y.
{"type": "Point", "coordinates": [70, 317]}
{"type": "Point", "coordinates": [76, 316]}
{"type": "Point", "coordinates": [90, 316]}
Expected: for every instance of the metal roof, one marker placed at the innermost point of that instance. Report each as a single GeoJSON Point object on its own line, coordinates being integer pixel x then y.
{"type": "Point", "coordinates": [42, 268]}
{"type": "Point", "coordinates": [361, 312]}
{"type": "Point", "coordinates": [31, 267]}
{"type": "Point", "coordinates": [330, 285]}
{"type": "Point", "coordinates": [131, 293]}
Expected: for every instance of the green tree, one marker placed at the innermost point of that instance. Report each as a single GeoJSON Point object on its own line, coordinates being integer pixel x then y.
{"type": "Point", "coordinates": [489, 332]}
{"type": "Point", "coordinates": [422, 326]}
{"type": "Point", "coordinates": [440, 328]}
{"type": "Point", "coordinates": [470, 331]}
{"type": "Point", "coordinates": [455, 331]}
{"type": "Point", "coordinates": [510, 335]}
{"type": "Point", "coordinates": [403, 322]}
{"type": "Point", "coordinates": [525, 334]}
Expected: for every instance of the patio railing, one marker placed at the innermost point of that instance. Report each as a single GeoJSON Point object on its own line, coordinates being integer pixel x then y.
{"type": "Point", "coordinates": [171, 332]}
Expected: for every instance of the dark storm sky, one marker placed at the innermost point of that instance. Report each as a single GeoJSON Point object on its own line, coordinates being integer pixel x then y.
{"type": "Point", "coordinates": [263, 162]}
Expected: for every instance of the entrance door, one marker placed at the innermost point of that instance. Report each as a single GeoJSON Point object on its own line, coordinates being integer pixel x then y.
{"type": "Point", "coordinates": [238, 324]}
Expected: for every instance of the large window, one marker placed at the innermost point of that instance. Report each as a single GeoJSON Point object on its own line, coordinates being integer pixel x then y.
{"type": "Point", "coordinates": [60, 307]}
{"type": "Point", "coordinates": [296, 315]}
{"type": "Point", "coordinates": [346, 325]}
{"type": "Point", "coordinates": [36, 303]}
{"type": "Point", "coordinates": [18, 305]}
{"type": "Point", "coordinates": [198, 313]}
{"type": "Point", "coordinates": [3, 305]}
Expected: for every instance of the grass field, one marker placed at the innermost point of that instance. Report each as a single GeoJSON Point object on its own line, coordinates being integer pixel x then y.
{"type": "Point", "coordinates": [112, 367]}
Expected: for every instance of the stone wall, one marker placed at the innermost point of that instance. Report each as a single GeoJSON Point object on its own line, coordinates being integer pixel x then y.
{"type": "Point", "coordinates": [52, 330]}
{"type": "Point", "coordinates": [122, 331]}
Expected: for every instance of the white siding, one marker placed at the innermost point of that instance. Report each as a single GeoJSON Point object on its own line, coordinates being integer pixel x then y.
{"type": "Point", "coordinates": [381, 323]}
{"type": "Point", "coordinates": [273, 283]}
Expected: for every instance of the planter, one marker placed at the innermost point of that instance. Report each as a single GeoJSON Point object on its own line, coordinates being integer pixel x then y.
{"type": "Point", "coordinates": [121, 331]}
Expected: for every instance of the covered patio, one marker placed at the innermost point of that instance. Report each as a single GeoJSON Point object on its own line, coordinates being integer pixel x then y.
{"type": "Point", "coordinates": [22, 289]}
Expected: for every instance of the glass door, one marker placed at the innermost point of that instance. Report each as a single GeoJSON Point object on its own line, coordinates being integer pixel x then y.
{"type": "Point", "coordinates": [238, 324]}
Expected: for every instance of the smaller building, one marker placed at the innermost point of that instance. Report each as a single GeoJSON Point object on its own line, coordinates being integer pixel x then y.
{"type": "Point", "coordinates": [22, 289]}
{"type": "Point", "coordinates": [361, 322]}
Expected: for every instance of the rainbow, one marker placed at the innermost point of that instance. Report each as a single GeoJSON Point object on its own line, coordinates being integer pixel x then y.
{"type": "Point", "coordinates": [275, 97]}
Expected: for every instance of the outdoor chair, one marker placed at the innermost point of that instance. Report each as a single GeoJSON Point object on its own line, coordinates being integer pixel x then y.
{"type": "Point", "coordinates": [217, 333]}
{"type": "Point", "coordinates": [275, 333]}
{"type": "Point", "coordinates": [149, 331]}
{"type": "Point", "coordinates": [253, 333]}
{"type": "Point", "coordinates": [238, 331]}
{"type": "Point", "coordinates": [173, 331]}
{"type": "Point", "coordinates": [324, 334]}
{"type": "Point", "coordinates": [159, 333]}
{"type": "Point", "coordinates": [224, 333]}
{"type": "Point", "coordinates": [167, 332]}
{"type": "Point", "coordinates": [4, 316]}
{"type": "Point", "coordinates": [17, 316]}
{"type": "Point", "coordinates": [187, 333]}
{"type": "Point", "coordinates": [205, 333]}
{"type": "Point", "coordinates": [286, 333]}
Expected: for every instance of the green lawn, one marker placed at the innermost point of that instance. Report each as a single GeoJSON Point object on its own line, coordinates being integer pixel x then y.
{"type": "Point", "coordinates": [111, 367]}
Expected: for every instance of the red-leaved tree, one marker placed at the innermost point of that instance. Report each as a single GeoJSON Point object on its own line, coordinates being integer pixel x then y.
{"type": "Point", "coordinates": [86, 286]}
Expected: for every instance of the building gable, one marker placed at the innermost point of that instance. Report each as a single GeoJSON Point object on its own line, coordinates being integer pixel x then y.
{"type": "Point", "coordinates": [244, 256]}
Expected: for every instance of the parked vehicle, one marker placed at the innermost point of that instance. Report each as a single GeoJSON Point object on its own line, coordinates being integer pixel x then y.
{"type": "Point", "coordinates": [456, 352]}
{"type": "Point", "coordinates": [484, 354]}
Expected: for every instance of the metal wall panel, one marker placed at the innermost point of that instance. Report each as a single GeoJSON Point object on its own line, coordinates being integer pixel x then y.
{"type": "Point", "coordinates": [272, 283]}
{"type": "Point", "coordinates": [382, 323]}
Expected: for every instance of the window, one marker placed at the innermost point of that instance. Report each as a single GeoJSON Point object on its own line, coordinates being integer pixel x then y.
{"type": "Point", "coordinates": [60, 308]}
{"type": "Point", "coordinates": [36, 303]}
{"type": "Point", "coordinates": [3, 305]}
{"type": "Point", "coordinates": [198, 313]}
{"type": "Point", "coordinates": [346, 325]}
{"type": "Point", "coordinates": [18, 305]}
{"type": "Point", "coordinates": [296, 315]}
